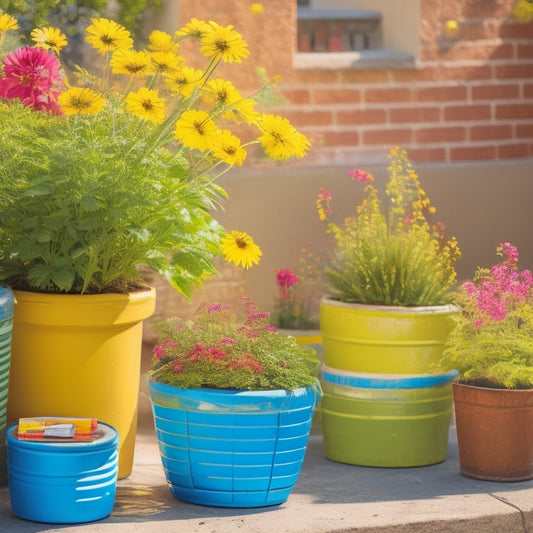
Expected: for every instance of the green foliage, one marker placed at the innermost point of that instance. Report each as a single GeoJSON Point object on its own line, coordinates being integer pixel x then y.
{"type": "Point", "coordinates": [81, 205]}
{"type": "Point", "coordinates": [492, 342]}
{"type": "Point", "coordinates": [395, 256]}
{"type": "Point", "coordinates": [497, 355]}
{"type": "Point", "coordinates": [222, 349]}
{"type": "Point", "coordinates": [68, 13]}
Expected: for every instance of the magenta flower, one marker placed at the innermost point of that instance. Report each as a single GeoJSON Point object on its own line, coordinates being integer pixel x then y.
{"type": "Point", "coordinates": [33, 76]}
{"type": "Point", "coordinates": [361, 175]}
{"type": "Point", "coordinates": [285, 278]}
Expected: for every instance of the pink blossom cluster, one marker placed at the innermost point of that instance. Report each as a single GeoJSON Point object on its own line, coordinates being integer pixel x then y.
{"type": "Point", "coordinates": [285, 278]}
{"type": "Point", "coordinates": [496, 293]}
{"type": "Point", "coordinates": [361, 175]}
{"type": "Point", "coordinates": [33, 76]}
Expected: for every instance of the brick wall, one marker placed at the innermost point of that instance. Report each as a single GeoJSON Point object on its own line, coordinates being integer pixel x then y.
{"type": "Point", "coordinates": [469, 98]}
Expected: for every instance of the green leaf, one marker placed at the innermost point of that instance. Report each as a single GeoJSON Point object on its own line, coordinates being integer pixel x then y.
{"type": "Point", "coordinates": [89, 203]}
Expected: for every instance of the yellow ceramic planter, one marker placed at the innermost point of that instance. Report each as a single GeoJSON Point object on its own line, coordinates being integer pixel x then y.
{"type": "Point", "coordinates": [80, 355]}
{"type": "Point", "coordinates": [383, 339]}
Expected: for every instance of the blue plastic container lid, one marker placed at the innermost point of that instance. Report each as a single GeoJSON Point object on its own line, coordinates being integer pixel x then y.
{"type": "Point", "coordinates": [7, 302]}
{"type": "Point", "coordinates": [386, 381]}
{"type": "Point", "coordinates": [107, 438]}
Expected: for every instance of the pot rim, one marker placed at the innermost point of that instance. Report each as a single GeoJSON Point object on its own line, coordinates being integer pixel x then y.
{"type": "Point", "coordinates": [419, 310]}
{"type": "Point", "coordinates": [458, 383]}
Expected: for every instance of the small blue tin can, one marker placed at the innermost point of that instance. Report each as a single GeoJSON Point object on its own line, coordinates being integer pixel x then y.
{"type": "Point", "coordinates": [63, 482]}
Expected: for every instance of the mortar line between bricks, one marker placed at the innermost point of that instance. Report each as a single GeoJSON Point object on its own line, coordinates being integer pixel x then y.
{"type": "Point", "coordinates": [503, 500]}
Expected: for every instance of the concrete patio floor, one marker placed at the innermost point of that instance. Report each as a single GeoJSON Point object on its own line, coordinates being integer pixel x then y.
{"type": "Point", "coordinates": [328, 497]}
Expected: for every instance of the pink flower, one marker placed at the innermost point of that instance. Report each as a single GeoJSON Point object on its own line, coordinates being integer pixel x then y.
{"type": "Point", "coordinates": [274, 329]}
{"type": "Point", "coordinates": [361, 175]}
{"type": "Point", "coordinates": [158, 351]}
{"type": "Point", "coordinates": [285, 277]}
{"type": "Point", "coordinates": [510, 251]}
{"type": "Point", "coordinates": [33, 76]}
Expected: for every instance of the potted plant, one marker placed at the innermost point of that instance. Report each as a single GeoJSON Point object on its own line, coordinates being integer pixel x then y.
{"type": "Point", "coordinates": [390, 268]}
{"type": "Point", "coordinates": [388, 312]}
{"type": "Point", "coordinates": [492, 348]}
{"type": "Point", "coordinates": [233, 401]}
{"type": "Point", "coordinates": [104, 173]}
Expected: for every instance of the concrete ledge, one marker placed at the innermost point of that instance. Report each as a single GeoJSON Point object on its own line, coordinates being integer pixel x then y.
{"type": "Point", "coordinates": [364, 59]}
{"type": "Point", "coordinates": [329, 497]}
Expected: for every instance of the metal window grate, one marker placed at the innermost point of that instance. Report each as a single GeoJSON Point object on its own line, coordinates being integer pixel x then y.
{"type": "Point", "coordinates": [338, 30]}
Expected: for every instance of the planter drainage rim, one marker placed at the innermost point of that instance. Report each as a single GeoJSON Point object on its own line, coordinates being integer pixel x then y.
{"type": "Point", "coordinates": [386, 381]}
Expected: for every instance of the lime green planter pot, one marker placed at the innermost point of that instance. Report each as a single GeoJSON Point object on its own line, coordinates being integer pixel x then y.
{"type": "Point", "coordinates": [383, 339]}
{"type": "Point", "coordinates": [382, 420]}
{"type": "Point", "coordinates": [80, 356]}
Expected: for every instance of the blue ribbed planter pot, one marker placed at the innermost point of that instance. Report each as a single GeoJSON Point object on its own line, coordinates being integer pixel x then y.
{"type": "Point", "coordinates": [7, 301]}
{"type": "Point", "coordinates": [63, 482]}
{"type": "Point", "coordinates": [228, 448]}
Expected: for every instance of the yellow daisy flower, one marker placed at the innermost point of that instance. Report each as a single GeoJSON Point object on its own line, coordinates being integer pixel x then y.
{"type": "Point", "coordinates": [523, 11]}
{"type": "Point", "coordinates": [106, 35]}
{"type": "Point", "coordinates": [196, 130]}
{"type": "Point", "coordinates": [195, 28]}
{"type": "Point", "coordinates": [224, 43]}
{"type": "Point", "coordinates": [239, 248]}
{"type": "Point", "coordinates": [129, 61]}
{"type": "Point", "coordinates": [220, 93]}
{"type": "Point", "coordinates": [243, 111]}
{"type": "Point", "coordinates": [8, 23]}
{"type": "Point", "coordinates": [166, 62]}
{"type": "Point", "coordinates": [257, 9]}
{"type": "Point", "coordinates": [49, 38]}
{"type": "Point", "coordinates": [227, 148]}
{"type": "Point", "coordinates": [78, 100]}
{"type": "Point", "coordinates": [161, 41]}
{"type": "Point", "coordinates": [184, 80]}
{"type": "Point", "coordinates": [146, 104]}
{"type": "Point", "coordinates": [280, 140]}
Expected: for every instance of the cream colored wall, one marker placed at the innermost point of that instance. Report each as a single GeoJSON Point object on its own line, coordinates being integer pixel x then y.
{"type": "Point", "coordinates": [482, 204]}
{"type": "Point", "coordinates": [400, 22]}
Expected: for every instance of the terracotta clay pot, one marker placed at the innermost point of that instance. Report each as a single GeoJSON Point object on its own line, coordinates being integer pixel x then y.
{"type": "Point", "coordinates": [494, 432]}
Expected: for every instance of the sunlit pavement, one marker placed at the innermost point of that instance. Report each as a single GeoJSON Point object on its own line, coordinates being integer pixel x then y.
{"type": "Point", "coordinates": [328, 497]}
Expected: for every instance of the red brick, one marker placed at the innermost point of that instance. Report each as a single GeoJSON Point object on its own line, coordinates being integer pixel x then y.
{"type": "Point", "coordinates": [473, 153]}
{"type": "Point", "coordinates": [415, 114]}
{"type": "Point", "coordinates": [518, 111]}
{"type": "Point", "coordinates": [524, 131]}
{"type": "Point", "coordinates": [297, 96]}
{"type": "Point", "coordinates": [427, 155]}
{"type": "Point", "coordinates": [512, 151]}
{"type": "Point", "coordinates": [467, 112]}
{"type": "Point", "coordinates": [364, 76]}
{"type": "Point", "coordinates": [336, 96]}
{"type": "Point", "coordinates": [440, 134]}
{"type": "Point", "coordinates": [440, 73]}
{"type": "Point", "coordinates": [361, 116]}
{"type": "Point", "coordinates": [389, 137]}
{"type": "Point", "coordinates": [528, 90]}
{"type": "Point", "coordinates": [471, 51]}
{"type": "Point", "coordinates": [488, 132]}
{"type": "Point", "coordinates": [525, 51]}
{"type": "Point", "coordinates": [495, 92]}
{"type": "Point", "coordinates": [515, 71]}
{"type": "Point", "coordinates": [340, 138]}
{"type": "Point", "coordinates": [311, 76]}
{"type": "Point", "coordinates": [440, 94]}
{"type": "Point", "coordinates": [309, 118]}
{"type": "Point", "coordinates": [386, 95]}
{"type": "Point", "coordinates": [515, 31]}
